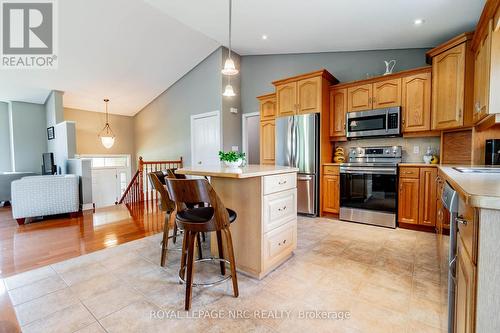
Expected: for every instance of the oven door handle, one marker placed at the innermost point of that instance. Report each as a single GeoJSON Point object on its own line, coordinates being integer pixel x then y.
{"type": "Point", "coordinates": [371, 171]}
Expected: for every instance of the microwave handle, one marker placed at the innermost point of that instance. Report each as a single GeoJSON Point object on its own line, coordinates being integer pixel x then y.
{"type": "Point", "coordinates": [387, 120]}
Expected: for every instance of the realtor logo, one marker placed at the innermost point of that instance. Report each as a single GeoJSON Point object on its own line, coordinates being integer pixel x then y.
{"type": "Point", "coordinates": [28, 34]}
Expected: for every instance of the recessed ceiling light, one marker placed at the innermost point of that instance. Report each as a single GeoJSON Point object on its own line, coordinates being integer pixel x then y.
{"type": "Point", "coordinates": [264, 37]}
{"type": "Point", "coordinates": [418, 21]}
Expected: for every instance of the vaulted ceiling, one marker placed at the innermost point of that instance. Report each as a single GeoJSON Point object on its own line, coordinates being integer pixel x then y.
{"type": "Point", "coordinates": [131, 51]}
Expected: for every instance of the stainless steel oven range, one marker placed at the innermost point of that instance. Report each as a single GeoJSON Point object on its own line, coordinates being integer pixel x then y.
{"type": "Point", "coordinates": [368, 185]}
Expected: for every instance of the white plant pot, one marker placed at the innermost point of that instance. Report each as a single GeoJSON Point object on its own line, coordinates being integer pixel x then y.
{"type": "Point", "coordinates": [427, 159]}
{"type": "Point", "coordinates": [233, 164]}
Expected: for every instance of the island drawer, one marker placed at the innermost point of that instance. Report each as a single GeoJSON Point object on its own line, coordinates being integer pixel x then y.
{"type": "Point", "coordinates": [279, 208]}
{"type": "Point", "coordinates": [279, 243]}
{"type": "Point", "coordinates": [281, 182]}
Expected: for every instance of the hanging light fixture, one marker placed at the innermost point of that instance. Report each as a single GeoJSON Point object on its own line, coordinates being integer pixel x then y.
{"type": "Point", "coordinates": [229, 67]}
{"type": "Point", "coordinates": [229, 91]}
{"type": "Point", "coordinates": [107, 136]}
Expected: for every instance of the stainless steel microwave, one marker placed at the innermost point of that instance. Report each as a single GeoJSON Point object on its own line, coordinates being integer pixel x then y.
{"type": "Point", "coordinates": [379, 122]}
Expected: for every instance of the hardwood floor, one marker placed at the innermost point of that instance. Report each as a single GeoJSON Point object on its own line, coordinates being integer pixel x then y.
{"type": "Point", "coordinates": [52, 240]}
{"type": "Point", "coordinates": [55, 239]}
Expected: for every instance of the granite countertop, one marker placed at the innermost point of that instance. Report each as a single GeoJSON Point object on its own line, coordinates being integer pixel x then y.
{"type": "Point", "coordinates": [479, 189]}
{"type": "Point", "coordinates": [417, 164]}
{"type": "Point", "coordinates": [251, 170]}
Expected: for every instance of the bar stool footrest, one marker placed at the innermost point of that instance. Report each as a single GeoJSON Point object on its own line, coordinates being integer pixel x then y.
{"type": "Point", "coordinates": [208, 284]}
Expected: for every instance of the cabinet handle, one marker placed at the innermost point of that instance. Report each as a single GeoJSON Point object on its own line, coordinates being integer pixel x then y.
{"type": "Point", "coordinates": [369, 99]}
{"type": "Point", "coordinates": [282, 243]}
{"type": "Point", "coordinates": [461, 220]}
{"type": "Point", "coordinates": [459, 113]}
{"type": "Point", "coordinates": [403, 121]}
{"type": "Point", "coordinates": [282, 182]}
{"type": "Point", "coordinates": [282, 209]}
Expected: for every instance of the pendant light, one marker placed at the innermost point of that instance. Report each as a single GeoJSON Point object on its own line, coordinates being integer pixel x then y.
{"type": "Point", "coordinates": [229, 91]}
{"type": "Point", "coordinates": [229, 67]}
{"type": "Point", "coordinates": [107, 136]}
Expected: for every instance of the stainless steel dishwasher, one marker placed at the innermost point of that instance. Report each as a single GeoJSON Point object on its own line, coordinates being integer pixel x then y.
{"type": "Point", "coordinates": [449, 197]}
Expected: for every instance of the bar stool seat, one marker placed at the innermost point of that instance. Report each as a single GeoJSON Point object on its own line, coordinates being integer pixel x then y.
{"type": "Point", "coordinates": [202, 214]}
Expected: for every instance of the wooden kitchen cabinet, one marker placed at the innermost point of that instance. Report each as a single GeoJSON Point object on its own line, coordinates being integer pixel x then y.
{"type": "Point", "coordinates": [465, 291]}
{"type": "Point", "coordinates": [417, 195]}
{"type": "Point", "coordinates": [416, 102]}
{"type": "Point", "coordinates": [360, 97]}
{"type": "Point", "coordinates": [482, 57]}
{"type": "Point", "coordinates": [267, 107]}
{"type": "Point", "coordinates": [286, 99]}
{"type": "Point", "coordinates": [303, 94]}
{"type": "Point", "coordinates": [331, 189]}
{"type": "Point", "coordinates": [386, 94]}
{"type": "Point", "coordinates": [427, 196]}
{"type": "Point", "coordinates": [338, 110]}
{"type": "Point", "coordinates": [442, 215]}
{"type": "Point", "coordinates": [267, 142]}
{"type": "Point", "coordinates": [452, 83]}
{"type": "Point", "coordinates": [409, 191]}
{"type": "Point", "coordinates": [309, 95]}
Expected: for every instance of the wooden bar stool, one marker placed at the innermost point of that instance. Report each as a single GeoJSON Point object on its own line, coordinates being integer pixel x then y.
{"type": "Point", "coordinates": [193, 221]}
{"type": "Point", "coordinates": [168, 206]}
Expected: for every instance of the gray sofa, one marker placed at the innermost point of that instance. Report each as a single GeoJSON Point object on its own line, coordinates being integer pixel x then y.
{"type": "Point", "coordinates": [6, 179]}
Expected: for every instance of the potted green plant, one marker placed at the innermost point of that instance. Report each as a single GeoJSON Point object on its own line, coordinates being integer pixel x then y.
{"type": "Point", "coordinates": [232, 159]}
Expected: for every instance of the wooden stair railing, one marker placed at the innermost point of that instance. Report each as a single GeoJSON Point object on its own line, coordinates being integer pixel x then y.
{"type": "Point", "coordinates": [139, 189]}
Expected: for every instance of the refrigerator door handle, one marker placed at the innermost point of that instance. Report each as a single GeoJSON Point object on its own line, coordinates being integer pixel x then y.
{"type": "Point", "coordinates": [295, 155]}
{"type": "Point", "coordinates": [289, 141]}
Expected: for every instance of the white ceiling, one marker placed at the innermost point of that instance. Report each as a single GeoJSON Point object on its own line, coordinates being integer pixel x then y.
{"type": "Point", "coordinates": [127, 50]}
{"type": "Point", "coordinates": [131, 51]}
{"type": "Point", "coordinates": [296, 26]}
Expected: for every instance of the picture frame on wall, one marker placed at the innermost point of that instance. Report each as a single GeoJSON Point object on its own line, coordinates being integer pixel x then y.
{"type": "Point", "coordinates": [51, 135]}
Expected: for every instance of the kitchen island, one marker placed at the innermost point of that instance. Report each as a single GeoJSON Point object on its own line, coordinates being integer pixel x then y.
{"type": "Point", "coordinates": [265, 200]}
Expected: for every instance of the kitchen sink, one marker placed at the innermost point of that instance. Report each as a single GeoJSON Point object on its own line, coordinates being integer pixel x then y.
{"type": "Point", "coordinates": [477, 169]}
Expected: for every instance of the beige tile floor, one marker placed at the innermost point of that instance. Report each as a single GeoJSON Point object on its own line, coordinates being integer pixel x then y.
{"type": "Point", "coordinates": [384, 280]}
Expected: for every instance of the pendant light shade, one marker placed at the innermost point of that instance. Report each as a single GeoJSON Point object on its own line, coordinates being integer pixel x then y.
{"type": "Point", "coordinates": [106, 135]}
{"type": "Point", "coordinates": [229, 92]}
{"type": "Point", "coordinates": [229, 67]}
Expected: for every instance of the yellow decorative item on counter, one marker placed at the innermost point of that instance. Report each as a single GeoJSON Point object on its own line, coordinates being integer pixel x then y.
{"type": "Point", "coordinates": [435, 160]}
{"type": "Point", "coordinates": [339, 155]}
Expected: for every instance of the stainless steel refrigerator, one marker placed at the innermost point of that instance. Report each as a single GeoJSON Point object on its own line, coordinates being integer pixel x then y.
{"type": "Point", "coordinates": [297, 145]}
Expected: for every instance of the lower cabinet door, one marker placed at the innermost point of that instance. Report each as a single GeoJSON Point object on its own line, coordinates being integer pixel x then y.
{"type": "Point", "coordinates": [267, 134]}
{"type": "Point", "coordinates": [331, 194]}
{"type": "Point", "coordinates": [428, 192]}
{"type": "Point", "coordinates": [464, 292]}
{"type": "Point", "coordinates": [408, 200]}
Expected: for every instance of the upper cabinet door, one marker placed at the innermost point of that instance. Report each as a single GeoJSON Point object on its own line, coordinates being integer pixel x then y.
{"type": "Point", "coordinates": [286, 99]}
{"type": "Point", "coordinates": [416, 103]}
{"type": "Point", "coordinates": [448, 72]}
{"type": "Point", "coordinates": [387, 94]}
{"type": "Point", "coordinates": [268, 108]}
{"type": "Point", "coordinates": [309, 92]}
{"type": "Point", "coordinates": [338, 110]}
{"type": "Point", "coordinates": [267, 142]}
{"type": "Point", "coordinates": [359, 98]}
{"type": "Point", "coordinates": [482, 58]}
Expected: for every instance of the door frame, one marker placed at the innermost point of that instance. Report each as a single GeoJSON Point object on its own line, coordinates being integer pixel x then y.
{"type": "Point", "coordinates": [244, 117]}
{"type": "Point", "coordinates": [215, 113]}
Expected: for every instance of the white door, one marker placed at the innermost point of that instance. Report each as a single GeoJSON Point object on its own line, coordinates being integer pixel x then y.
{"type": "Point", "coordinates": [105, 187]}
{"type": "Point", "coordinates": [251, 137]}
{"type": "Point", "coordinates": [205, 138]}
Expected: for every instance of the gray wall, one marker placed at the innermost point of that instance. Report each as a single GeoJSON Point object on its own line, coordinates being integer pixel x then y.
{"type": "Point", "coordinates": [5, 163]}
{"type": "Point", "coordinates": [29, 135]}
{"type": "Point", "coordinates": [162, 128]}
{"type": "Point", "coordinates": [257, 72]}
